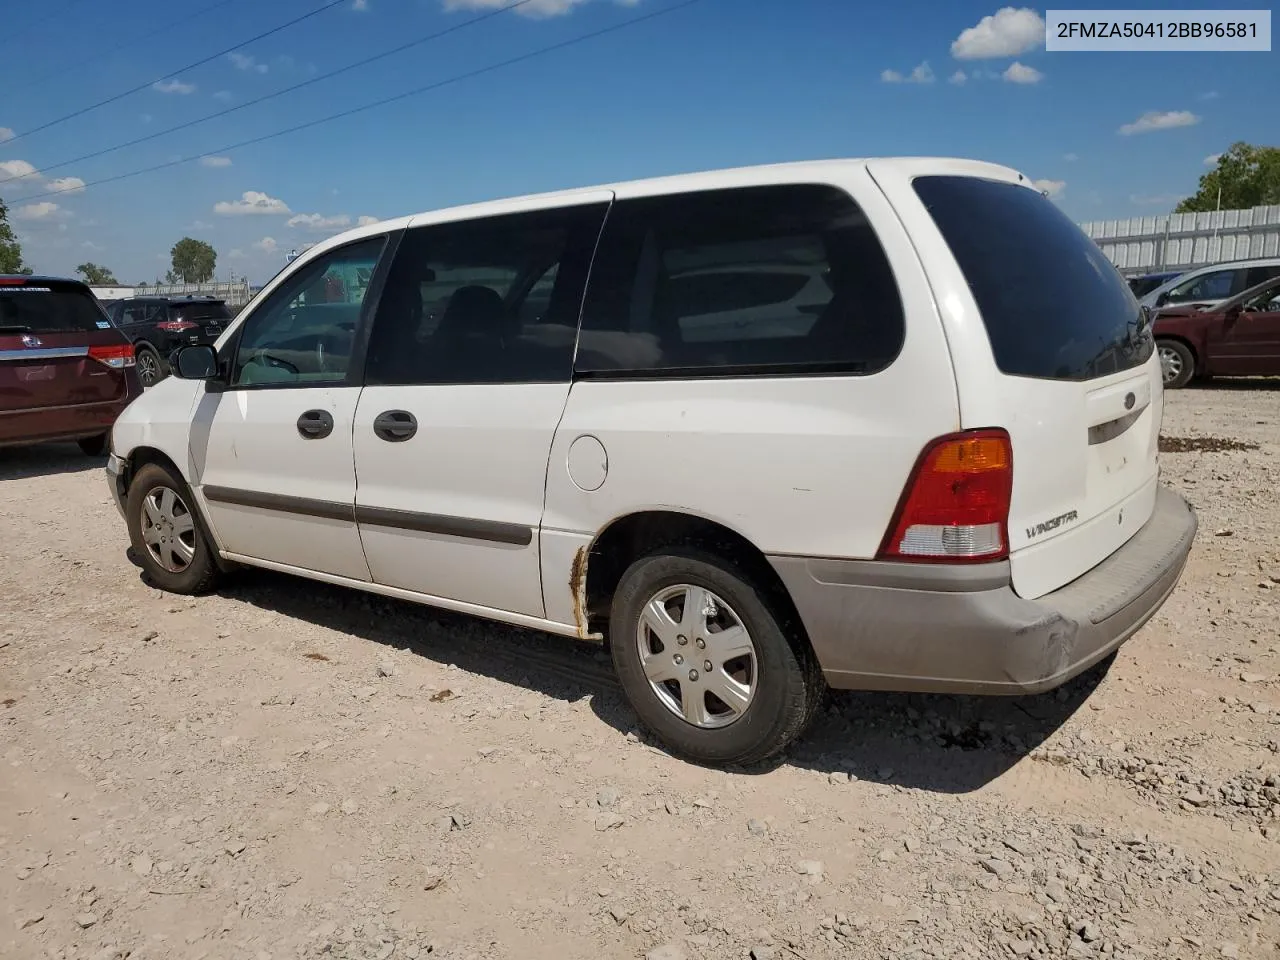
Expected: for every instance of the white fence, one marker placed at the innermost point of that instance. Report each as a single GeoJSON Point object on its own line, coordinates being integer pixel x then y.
{"type": "Point", "coordinates": [1184, 240]}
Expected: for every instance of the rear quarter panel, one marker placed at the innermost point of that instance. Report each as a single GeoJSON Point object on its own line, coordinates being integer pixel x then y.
{"type": "Point", "coordinates": [807, 466]}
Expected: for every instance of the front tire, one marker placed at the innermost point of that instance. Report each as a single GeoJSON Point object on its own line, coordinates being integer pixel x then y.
{"type": "Point", "coordinates": [705, 663]}
{"type": "Point", "coordinates": [167, 535]}
{"type": "Point", "coordinates": [151, 368]}
{"type": "Point", "coordinates": [1177, 363]}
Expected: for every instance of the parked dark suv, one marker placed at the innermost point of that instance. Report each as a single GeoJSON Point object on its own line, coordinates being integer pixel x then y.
{"type": "Point", "coordinates": [159, 325]}
{"type": "Point", "coordinates": [65, 372]}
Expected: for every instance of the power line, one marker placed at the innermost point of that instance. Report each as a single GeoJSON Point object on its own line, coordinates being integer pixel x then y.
{"type": "Point", "coordinates": [271, 96]}
{"type": "Point", "coordinates": [542, 51]}
{"type": "Point", "coordinates": [191, 66]}
{"type": "Point", "coordinates": [82, 62]}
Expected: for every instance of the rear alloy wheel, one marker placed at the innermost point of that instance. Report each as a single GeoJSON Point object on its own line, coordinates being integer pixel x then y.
{"type": "Point", "coordinates": [1177, 363]}
{"type": "Point", "coordinates": [167, 535]}
{"type": "Point", "coordinates": [151, 369]}
{"type": "Point", "coordinates": [706, 664]}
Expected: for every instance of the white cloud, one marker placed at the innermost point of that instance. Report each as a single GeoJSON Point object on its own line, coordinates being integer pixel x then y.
{"type": "Point", "coordinates": [17, 168]}
{"type": "Point", "coordinates": [66, 185]}
{"type": "Point", "coordinates": [266, 245]}
{"type": "Point", "coordinates": [215, 161]}
{"type": "Point", "coordinates": [1155, 120]}
{"type": "Point", "coordinates": [1071, 157]}
{"type": "Point", "coordinates": [921, 74]}
{"type": "Point", "coordinates": [245, 62]}
{"type": "Point", "coordinates": [316, 221]}
{"type": "Point", "coordinates": [44, 210]}
{"type": "Point", "coordinates": [90, 245]}
{"type": "Point", "coordinates": [1208, 95]}
{"type": "Point", "coordinates": [1155, 200]}
{"type": "Point", "coordinates": [534, 8]}
{"type": "Point", "coordinates": [958, 77]}
{"type": "Point", "coordinates": [236, 254]}
{"type": "Point", "coordinates": [1005, 33]}
{"type": "Point", "coordinates": [366, 221]}
{"type": "Point", "coordinates": [5, 134]}
{"type": "Point", "coordinates": [1051, 187]}
{"type": "Point", "coordinates": [251, 202]}
{"type": "Point", "coordinates": [1212, 159]}
{"type": "Point", "coordinates": [174, 86]}
{"type": "Point", "coordinates": [1021, 73]}
{"type": "Point", "coordinates": [223, 95]}
{"type": "Point", "coordinates": [360, 5]}
{"type": "Point", "coordinates": [145, 117]}
{"type": "Point", "coordinates": [200, 225]}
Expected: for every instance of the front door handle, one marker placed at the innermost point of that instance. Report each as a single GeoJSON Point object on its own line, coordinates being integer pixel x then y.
{"type": "Point", "coordinates": [315, 424]}
{"type": "Point", "coordinates": [395, 426]}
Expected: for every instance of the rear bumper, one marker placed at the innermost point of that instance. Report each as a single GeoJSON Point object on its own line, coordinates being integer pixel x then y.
{"type": "Point", "coordinates": [932, 628]}
{"type": "Point", "coordinates": [69, 422]}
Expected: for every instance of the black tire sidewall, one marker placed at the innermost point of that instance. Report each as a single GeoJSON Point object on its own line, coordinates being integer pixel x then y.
{"type": "Point", "coordinates": [199, 574]}
{"type": "Point", "coordinates": [781, 696]}
{"type": "Point", "coordinates": [1188, 363]}
{"type": "Point", "coordinates": [161, 371]}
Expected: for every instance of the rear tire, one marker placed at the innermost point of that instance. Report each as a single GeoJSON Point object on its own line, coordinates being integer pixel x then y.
{"type": "Point", "coordinates": [168, 536]}
{"type": "Point", "coordinates": [1177, 363]}
{"type": "Point", "coordinates": [151, 368]}
{"type": "Point", "coordinates": [93, 446]}
{"type": "Point", "coordinates": [761, 689]}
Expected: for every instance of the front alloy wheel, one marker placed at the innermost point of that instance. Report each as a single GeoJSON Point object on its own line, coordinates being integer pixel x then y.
{"type": "Point", "coordinates": [168, 529]}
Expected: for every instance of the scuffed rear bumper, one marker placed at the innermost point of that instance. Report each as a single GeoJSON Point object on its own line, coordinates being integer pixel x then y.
{"type": "Point", "coordinates": [934, 628]}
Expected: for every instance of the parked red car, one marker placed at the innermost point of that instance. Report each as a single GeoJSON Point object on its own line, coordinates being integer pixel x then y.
{"type": "Point", "coordinates": [65, 371]}
{"type": "Point", "coordinates": [1238, 338]}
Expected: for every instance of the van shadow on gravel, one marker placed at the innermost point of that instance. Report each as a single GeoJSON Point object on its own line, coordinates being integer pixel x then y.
{"type": "Point", "coordinates": [943, 744]}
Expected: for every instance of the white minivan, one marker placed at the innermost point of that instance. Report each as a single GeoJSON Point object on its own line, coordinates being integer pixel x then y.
{"type": "Point", "coordinates": [873, 424]}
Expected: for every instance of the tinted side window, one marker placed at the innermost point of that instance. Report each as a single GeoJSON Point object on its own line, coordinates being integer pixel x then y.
{"type": "Point", "coordinates": [1210, 286]}
{"type": "Point", "coordinates": [754, 281]}
{"type": "Point", "coordinates": [485, 301]}
{"type": "Point", "coordinates": [1259, 275]}
{"type": "Point", "coordinates": [303, 332]}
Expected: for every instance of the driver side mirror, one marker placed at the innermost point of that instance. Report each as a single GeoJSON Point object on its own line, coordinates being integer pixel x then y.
{"type": "Point", "coordinates": [1162, 299]}
{"type": "Point", "coordinates": [1233, 314]}
{"type": "Point", "coordinates": [195, 362]}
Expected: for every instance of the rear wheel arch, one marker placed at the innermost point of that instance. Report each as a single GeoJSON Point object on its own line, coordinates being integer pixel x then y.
{"type": "Point", "coordinates": [643, 533]}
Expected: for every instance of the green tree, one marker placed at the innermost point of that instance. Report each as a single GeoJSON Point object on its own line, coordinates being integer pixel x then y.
{"type": "Point", "coordinates": [95, 274]}
{"type": "Point", "coordinates": [193, 260]}
{"type": "Point", "coordinates": [1247, 176]}
{"type": "Point", "coordinates": [10, 249]}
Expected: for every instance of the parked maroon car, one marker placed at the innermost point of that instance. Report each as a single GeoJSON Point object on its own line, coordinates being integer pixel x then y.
{"type": "Point", "coordinates": [1238, 338]}
{"type": "Point", "coordinates": [65, 371]}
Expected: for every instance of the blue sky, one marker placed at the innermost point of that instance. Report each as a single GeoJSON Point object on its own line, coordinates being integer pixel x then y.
{"type": "Point", "coordinates": [721, 83]}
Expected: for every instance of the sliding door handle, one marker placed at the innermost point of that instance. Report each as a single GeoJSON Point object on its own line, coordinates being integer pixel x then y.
{"type": "Point", "coordinates": [315, 424]}
{"type": "Point", "coordinates": [395, 426]}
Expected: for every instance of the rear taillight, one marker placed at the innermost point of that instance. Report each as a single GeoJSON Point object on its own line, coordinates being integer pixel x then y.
{"type": "Point", "coordinates": [116, 356]}
{"type": "Point", "coordinates": [176, 326]}
{"type": "Point", "coordinates": [955, 508]}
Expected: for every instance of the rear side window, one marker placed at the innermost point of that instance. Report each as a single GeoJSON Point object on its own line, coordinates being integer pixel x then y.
{"type": "Point", "coordinates": [1209, 286]}
{"type": "Point", "coordinates": [50, 307]}
{"type": "Point", "coordinates": [1259, 275]}
{"type": "Point", "coordinates": [1053, 305]}
{"type": "Point", "coordinates": [756, 281]}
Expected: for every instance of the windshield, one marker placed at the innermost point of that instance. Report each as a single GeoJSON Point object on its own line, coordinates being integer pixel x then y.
{"type": "Point", "coordinates": [49, 306]}
{"type": "Point", "coordinates": [1053, 305]}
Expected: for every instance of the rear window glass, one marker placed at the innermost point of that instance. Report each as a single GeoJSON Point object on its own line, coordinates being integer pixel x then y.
{"type": "Point", "coordinates": [198, 312]}
{"type": "Point", "coordinates": [760, 281]}
{"type": "Point", "coordinates": [50, 307]}
{"type": "Point", "coordinates": [1053, 305]}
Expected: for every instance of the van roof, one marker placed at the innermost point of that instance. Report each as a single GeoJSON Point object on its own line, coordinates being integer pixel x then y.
{"type": "Point", "coordinates": [759, 175]}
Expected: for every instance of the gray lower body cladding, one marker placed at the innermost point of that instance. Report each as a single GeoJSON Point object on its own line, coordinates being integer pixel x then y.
{"type": "Point", "coordinates": [956, 629]}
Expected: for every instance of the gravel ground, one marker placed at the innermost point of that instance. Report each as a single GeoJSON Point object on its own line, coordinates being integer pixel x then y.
{"type": "Point", "coordinates": [291, 770]}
